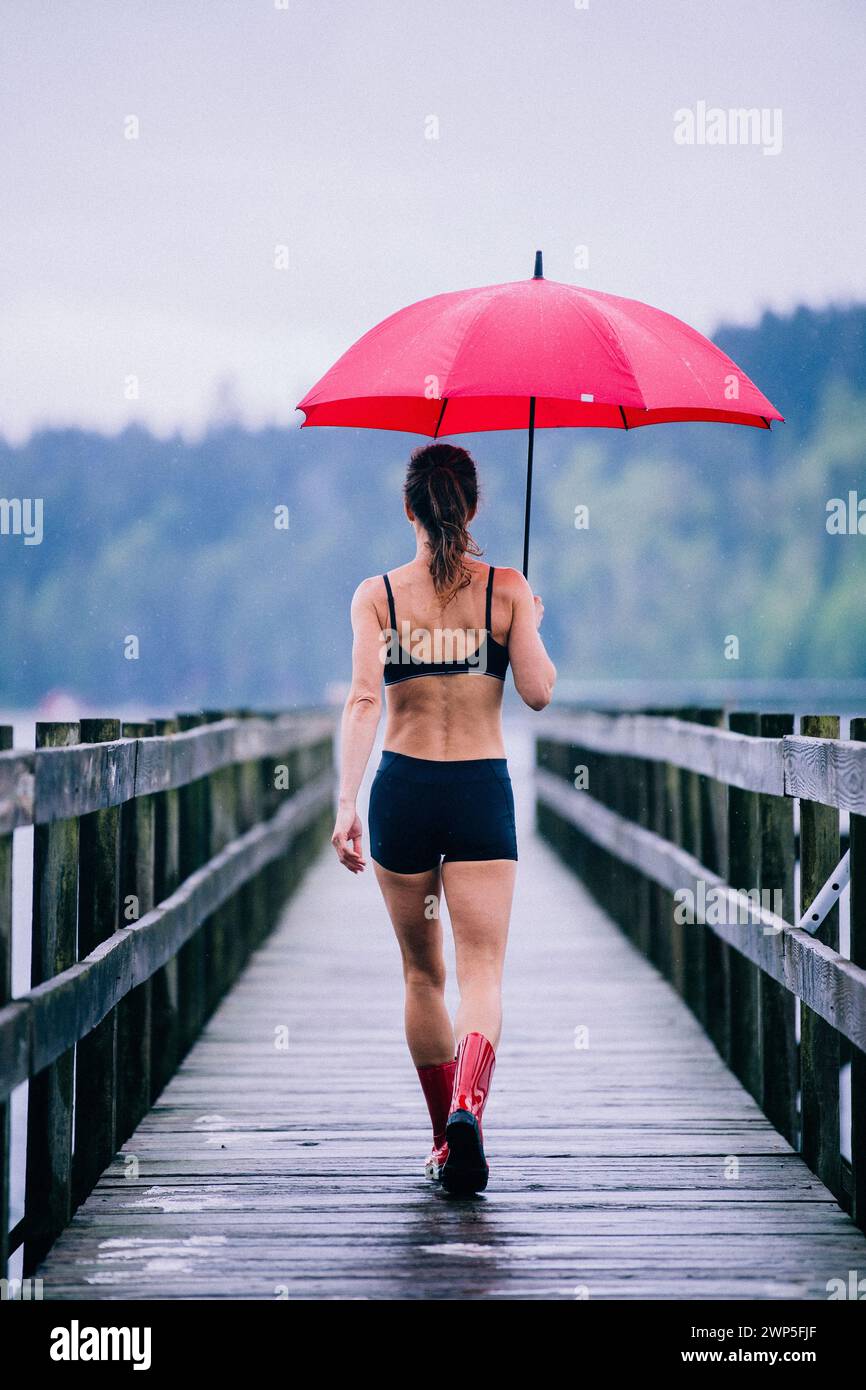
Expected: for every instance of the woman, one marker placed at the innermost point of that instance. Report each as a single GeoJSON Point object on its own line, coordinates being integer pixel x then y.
{"type": "Point", "coordinates": [445, 627]}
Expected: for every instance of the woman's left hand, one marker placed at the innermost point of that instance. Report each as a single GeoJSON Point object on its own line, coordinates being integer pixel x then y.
{"type": "Point", "coordinates": [346, 839]}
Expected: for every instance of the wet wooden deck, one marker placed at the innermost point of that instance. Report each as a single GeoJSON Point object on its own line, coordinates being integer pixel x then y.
{"type": "Point", "coordinates": [636, 1167]}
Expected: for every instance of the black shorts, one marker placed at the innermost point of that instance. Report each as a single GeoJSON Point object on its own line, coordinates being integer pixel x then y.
{"type": "Point", "coordinates": [422, 811]}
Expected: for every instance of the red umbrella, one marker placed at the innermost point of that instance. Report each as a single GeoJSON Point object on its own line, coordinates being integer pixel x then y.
{"type": "Point", "coordinates": [532, 353]}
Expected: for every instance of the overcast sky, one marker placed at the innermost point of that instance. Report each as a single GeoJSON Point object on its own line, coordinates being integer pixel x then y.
{"type": "Point", "coordinates": [304, 124]}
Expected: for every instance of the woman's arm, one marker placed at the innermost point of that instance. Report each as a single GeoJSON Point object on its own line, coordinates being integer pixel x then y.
{"type": "Point", "coordinates": [360, 720]}
{"type": "Point", "coordinates": [534, 672]}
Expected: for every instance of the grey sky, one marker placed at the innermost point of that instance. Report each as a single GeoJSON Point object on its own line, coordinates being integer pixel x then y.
{"type": "Point", "coordinates": [305, 126]}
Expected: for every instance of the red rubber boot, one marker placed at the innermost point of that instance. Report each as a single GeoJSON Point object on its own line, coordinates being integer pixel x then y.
{"type": "Point", "coordinates": [437, 1083]}
{"type": "Point", "coordinates": [465, 1169]}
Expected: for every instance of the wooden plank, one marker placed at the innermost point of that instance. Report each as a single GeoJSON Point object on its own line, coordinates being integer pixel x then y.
{"type": "Point", "coordinates": [778, 1009]}
{"type": "Point", "coordinates": [48, 1182]}
{"type": "Point", "coordinates": [16, 789]}
{"type": "Point", "coordinates": [744, 870]}
{"type": "Point", "coordinates": [858, 956]}
{"type": "Point", "coordinates": [5, 995]}
{"type": "Point", "coordinates": [71, 1004]}
{"type": "Point", "coordinates": [831, 986]}
{"type": "Point", "coordinates": [819, 1040]}
{"type": "Point", "coordinates": [647, 1171]}
{"type": "Point", "coordinates": [14, 1046]}
{"type": "Point", "coordinates": [60, 783]}
{"type": "Point", "coordinates": [755, 764]}
{"type": "Point", "coordinates": [98, 920]}
{"type": "Point", "coordinates": [86, 779]}
{"type": "Point", "coordinates": [827, 770]}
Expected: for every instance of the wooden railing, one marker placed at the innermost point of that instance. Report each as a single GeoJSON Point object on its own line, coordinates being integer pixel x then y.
{"type": "Point", "coordinates": [669, 818]}
{"type": "Point", "coordinates": [162, 855]}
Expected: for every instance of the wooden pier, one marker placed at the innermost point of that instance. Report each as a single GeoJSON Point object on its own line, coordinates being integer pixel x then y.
{"type": "Point", "coordinates": [283, 1159]}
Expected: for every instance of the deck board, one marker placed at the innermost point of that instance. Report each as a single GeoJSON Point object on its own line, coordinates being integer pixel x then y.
{"type": "Point", "coordinates": [264, 1173]}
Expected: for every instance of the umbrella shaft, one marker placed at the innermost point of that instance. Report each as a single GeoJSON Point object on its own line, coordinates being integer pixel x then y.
{"type": "Point", "coordinates": [528, 487]}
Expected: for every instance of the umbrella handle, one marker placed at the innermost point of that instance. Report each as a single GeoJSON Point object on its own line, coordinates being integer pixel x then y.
{"type": "Point", "coordinates": [528, 488]}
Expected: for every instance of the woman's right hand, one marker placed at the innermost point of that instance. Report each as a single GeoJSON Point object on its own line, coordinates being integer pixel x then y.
{"type": "Point", "coordinates": [539, 610]}
{"type": "Point", "coordinates": [346, 839]}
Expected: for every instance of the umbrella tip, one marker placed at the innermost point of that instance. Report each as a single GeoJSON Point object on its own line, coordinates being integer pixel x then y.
{"type": "Point", "coordinates": [539, 269]}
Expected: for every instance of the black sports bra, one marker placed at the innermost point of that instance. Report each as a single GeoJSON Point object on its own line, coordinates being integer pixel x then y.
{"type": "Point", "coordinates": [490, 658]}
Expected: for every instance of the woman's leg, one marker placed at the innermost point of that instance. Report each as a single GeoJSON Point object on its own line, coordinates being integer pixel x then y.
{"type": "Point", "coordinates": [412, 901]}
{"type": "Point", "coordinates": [479, 894]}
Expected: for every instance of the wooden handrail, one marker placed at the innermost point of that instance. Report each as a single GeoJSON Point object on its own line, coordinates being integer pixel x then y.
{"type": "Point", "coordinates": [52, 784]}
{"type": "Point", "coordinates": [39, 1026]}
{"type": "Point", "coordinates": [661, 812]}
{"type": "Point", "coordinates": [829, 771]}
{"type": "Point", "coordinates": [163, 852]}
{"type": "Point", "coordinates": [819, 976]}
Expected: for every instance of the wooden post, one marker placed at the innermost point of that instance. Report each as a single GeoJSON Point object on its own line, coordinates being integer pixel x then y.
{"type": "Point", "coordinates": [5, 996]}
{"type": "Point", "coordinates": [858, 956]}
{"type": "Point", "coordinates": [248, 806]}
{"type": "Point", "coordinates": [694, 987]}
{"type": "Point", "coordinates": [819, 1041]}
{"type": "Point", "coordinates": [614, 875]}
{"type": "Point", "coordinates": [599, 777]}
{"type": "Point", "coordinates": [675, 937]}
{"type": "Point", "coordinates": [714, 856]}
{"type": "Point", "coordinates": [48, 1196]}
{"type": "Point", "coordinates": [780, 1061]}
{"type": "Point", "coordinates": [192, 959]}
{"type": "Point", "coordinates": [627, 806]}
{"type": "Point", "coordinates": [233, 826]}
{"type": "Point", "coordinates": [643, 908]}
{"type": "Point", "coordinates": [136, 899]}
{"type": "Point", "coordinates": [221, 830]}
{"type": "Point", "coordinates": [165, 998]}
{"type": "Point", "coordinates": [744, 868]}
{"type": "Point", "coordinates": [98, 919]}
{"type": "Point", "coordinates": [564, 760]}
{"type": "Point", "coordinates": [260, 885]}
{"type": "Point", "coordinates": [299, 770]}
{"type": "Point", "coordinates": [656, 818]}
{"type": "Point", "coordinates": [271, 798]}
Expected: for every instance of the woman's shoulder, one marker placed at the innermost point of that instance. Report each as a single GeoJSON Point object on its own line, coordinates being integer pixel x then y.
{"type": "Point", "coordinates": [369, 593]}
{"type": "Point", "coordinates": [508, 581]}
{"type": "Point", "coordinates": [375, 582]}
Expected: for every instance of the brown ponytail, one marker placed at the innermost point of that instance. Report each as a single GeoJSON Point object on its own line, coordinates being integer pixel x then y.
{"type": "Point", "coordinates": [441, 489]}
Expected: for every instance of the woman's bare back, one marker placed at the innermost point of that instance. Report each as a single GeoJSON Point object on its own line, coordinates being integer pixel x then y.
{"type": "Point", "coordinates": [454, 717]}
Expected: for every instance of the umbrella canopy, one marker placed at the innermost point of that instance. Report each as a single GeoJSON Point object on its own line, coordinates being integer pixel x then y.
{"type": "Point", "coordinates": [532, 353]}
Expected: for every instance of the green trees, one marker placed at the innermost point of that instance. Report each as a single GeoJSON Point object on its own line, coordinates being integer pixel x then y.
{"type": "Point", "coordinates": [691, 535]}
